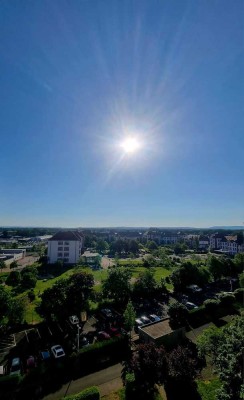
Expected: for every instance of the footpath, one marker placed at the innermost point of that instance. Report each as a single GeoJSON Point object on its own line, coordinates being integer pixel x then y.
{"type": "Point", "coordinates": [107, 381]}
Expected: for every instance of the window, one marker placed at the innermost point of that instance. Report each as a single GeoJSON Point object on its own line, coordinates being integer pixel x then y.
{"type": "Point", "coordinates": [66, 243]}
{"type": "Point", "coordinates": [66, 254]}
{"type": "Point", "coordinates": [60, 243]}
{"type": "Point", "coordinates": [60, 248]}
{"type": "Point", "coordinates": [66, 248]}
{"type": "Point", "coordinates": [60, 254]}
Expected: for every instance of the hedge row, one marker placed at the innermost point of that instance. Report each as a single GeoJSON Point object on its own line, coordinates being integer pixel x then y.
{"type": "Point", "coordinates": [91, 393]}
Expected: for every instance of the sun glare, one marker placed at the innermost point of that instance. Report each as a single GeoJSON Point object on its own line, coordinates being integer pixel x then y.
{"type": "Point", "coordinates": [130, 145]}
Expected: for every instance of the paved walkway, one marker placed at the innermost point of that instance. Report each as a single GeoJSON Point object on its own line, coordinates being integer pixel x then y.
{"type": "Point", "coordinates": [107, 380]}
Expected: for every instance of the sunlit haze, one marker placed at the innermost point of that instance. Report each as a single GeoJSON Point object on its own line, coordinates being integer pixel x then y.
{"type": "Point", "coordinates": [121, 113]}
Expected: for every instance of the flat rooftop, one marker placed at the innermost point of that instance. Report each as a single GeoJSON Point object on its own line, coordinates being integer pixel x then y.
{"type": "Point", "coordinates": [157, 329]}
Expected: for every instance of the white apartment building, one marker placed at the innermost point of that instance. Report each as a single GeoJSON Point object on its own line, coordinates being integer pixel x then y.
{"type": "Point", "coordinates": [65, 246]}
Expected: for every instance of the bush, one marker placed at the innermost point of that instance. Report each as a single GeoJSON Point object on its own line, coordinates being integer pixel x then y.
{"type": "Point", "coordinates": [31, 295]}
{"type": "Point", "coordinates": [91, 393]}
{"type": "Point", "coordinates": [9, 382]}
{"type": "Point", "coordinates": [227, 299]}
{"type": "Point", "coordinates": [239, 295]}
{"type": "Point", "coordinates": [211, 305]}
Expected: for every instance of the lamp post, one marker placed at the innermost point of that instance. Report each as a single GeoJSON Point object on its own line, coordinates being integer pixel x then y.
{"type": "Point", "coordinates": [78, 337]}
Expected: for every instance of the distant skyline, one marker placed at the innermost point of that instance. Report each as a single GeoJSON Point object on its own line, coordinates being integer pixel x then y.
{"type": "Point", "coordinates": [81, 81]}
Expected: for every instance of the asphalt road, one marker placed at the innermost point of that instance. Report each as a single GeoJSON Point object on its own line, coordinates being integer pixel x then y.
{"type": "Point", "coordinates": [107, 380]}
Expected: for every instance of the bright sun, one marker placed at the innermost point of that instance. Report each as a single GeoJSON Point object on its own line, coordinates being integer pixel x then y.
{"type": "Point", "coordinates": [130, 145]}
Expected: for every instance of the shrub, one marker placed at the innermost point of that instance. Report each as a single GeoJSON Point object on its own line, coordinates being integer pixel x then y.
{"type": "Point", "coordinates": [9, 382]}
{"type": "Point", "coordinates": [211, 305]}
{"type": "Point", "coordinates": [91, 393]}
{"type": "Point", "coordinates": [227, 299]}
{"type": "Point", "coordinates": [239, 295]}
{"type": "Point", "coordinates": [31, 295]}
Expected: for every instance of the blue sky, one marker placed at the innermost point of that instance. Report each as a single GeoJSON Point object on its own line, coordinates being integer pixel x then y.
{"type": "Point", "coordinates": [77, 77]}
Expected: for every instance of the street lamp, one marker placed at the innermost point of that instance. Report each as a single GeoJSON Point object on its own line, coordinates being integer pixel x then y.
{"type": "Point", "coordinates": [78, 337]}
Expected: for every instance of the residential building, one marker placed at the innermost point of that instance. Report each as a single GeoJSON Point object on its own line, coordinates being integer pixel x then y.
{"type": "Point", "coordinates": [66, 246]}
{"type": "Point", "coordinates": [203, 242]}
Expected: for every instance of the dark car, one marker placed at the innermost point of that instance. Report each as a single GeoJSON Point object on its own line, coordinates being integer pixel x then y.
{"type": "Point", "coordinates": [30, 362]}
{"type": "Point", "coordinates": [16, 367]}
{"type": "Point", "coordinates": [45, 355]}
{"type": "Point", "coordinates": [106, 313]}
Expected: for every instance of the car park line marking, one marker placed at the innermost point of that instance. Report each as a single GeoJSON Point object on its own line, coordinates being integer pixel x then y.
{"type": "Point", "coordinates": [50, 331]}
{"type": "Point", "coordinates": [60, 328]}
{"type": "Point", "coordinates": [37, 330]}
{"type": "Point", "coordinates": [27, 336]}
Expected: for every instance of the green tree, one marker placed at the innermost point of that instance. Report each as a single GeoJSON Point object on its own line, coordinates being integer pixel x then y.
{"type": "Point", "coordinates": [133, 246]}
{"type": "Point", "coordinates": [149, 364]}
{"type": "Point", "coordinates": [146, 284]}
{"type": "Point", "coordinates": [14, 278]}
{"type": "Point", "coordinates": [13, 264]}
{"type": "Point", "coordinates": [16, 311]}
{"type": "Point", "coordinates": [241, 280]}
{"type": "Point", "coordinates": [178, 314]}
{"type": "Point", "coordinates": [67, 296]}
{"type": "Point", "coordinates": [183, 364]}
{"type": "Point", "coordinates": [216, 267]}
{"type": "Point", "coordinates": [2, 265]}
{"type": "Point", "coordinates": [149, 261]}
{"type": "Point", "coordinates": [129, 317]}
{"type": "Point", "coordinates": [151, 245]}
{"type": "Point", "coordinates": [5, 300]}
{"type": "Point", "coordinates": [225, 346]}
{"type": "Point", "coordinates": [117, 284]}
{"type": "Point", "coordinates": [101, 246]}
{"type": "Point", "coordinates": [28, 280]}
{"type": "Point", "coordinates": [53, 300]}
{"type": "Point", "coordinates": [239, 262]}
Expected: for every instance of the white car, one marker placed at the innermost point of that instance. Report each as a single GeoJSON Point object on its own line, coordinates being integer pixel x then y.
{"type": "Point", "coordinates": [73, 319]}
{"type": "Point", "coordinates": [190, 305]}
{"type": "Point", "coordinates": [57, 351]}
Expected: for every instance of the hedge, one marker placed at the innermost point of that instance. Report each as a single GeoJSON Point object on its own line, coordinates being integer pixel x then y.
{"type": "Point", "coordinates": [91, 393]}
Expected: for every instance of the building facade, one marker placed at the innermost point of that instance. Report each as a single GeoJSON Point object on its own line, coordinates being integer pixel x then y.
{"type": "Point", "coordinates": [66, 246]}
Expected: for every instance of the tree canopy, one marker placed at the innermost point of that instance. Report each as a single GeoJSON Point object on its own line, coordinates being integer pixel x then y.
{"type": "Point", "coordinates": [117, 284]}
{"type": "Point", "coordinates": [225, 346]}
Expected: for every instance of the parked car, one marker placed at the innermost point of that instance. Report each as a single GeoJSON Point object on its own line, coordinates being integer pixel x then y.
{"type": "Point", "coordinates": [145, 320]}
{"type": "Point", "coordinates": [73, 319]}
{"type": "Point", "coordinates": [44, 355]}
{"type": "Point", "coordinates": [57, 351]}
{"type": "Point", "coordinates": [112, 331]}
{"type": "Point", "coordinates": [190, 306]}
{"type": "Point", "coordinates": [84, 342]}
{"type": "Point", "coordinates": [16, 367]}
{"type": "Point", "coordinates": [106, 313]}
{"type": "Point", "coordinates": [30, 362]}
{"type": "Point", "coordinates": [102, 335]}
{"type": "Point", "coordinates": [194, 288]}
{"type": "Point", "coordinates": [154, 318]}
{"type": "Point", "coordinates": [138, 323]}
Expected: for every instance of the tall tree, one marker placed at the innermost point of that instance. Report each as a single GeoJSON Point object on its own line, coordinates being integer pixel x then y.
{"type": "Point", "coordinates": [2, 265]}
{"type": "Point", "coordinates": [117, 284]}
{"type": "Point", "coordinates": [149, 364]}
{"type": "Point", "coordinates": [146, 284]}
{"type": "Point", "coordinates": [129, 317]}
{"type": "Point", "coordinates": [178, 314]}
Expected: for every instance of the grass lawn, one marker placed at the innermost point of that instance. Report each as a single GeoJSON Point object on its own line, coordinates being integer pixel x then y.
{"type": "Point", "coordinates": [207, 389]}
{"type": "Point", "coordinates": [120, 395]}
